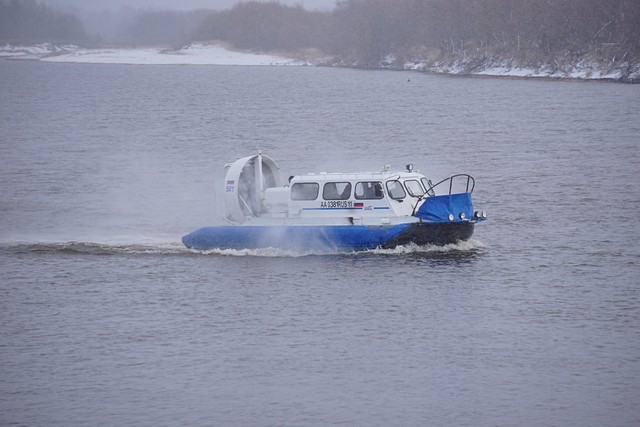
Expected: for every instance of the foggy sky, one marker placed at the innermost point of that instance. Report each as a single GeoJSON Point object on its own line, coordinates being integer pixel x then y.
{"type": "Point", "coordinates": [178, 4]}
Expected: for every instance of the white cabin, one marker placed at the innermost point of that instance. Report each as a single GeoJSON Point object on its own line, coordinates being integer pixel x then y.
{"type": "Point", "coordinates": [255, 193]}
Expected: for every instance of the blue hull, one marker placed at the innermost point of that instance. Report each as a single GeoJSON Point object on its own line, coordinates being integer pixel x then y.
{"type": "Point", "coordinates": [327, 238]}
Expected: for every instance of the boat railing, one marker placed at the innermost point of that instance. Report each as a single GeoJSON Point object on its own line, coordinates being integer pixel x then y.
{"type": "Point", "coordinates": [462, 180]}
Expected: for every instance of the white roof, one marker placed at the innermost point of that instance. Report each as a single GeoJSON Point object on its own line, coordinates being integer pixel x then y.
{"type": "Point", "coordinates": [356, 176]}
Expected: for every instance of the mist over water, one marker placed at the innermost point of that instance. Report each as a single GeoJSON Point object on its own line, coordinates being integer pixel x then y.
{"type": "Point", "coordinates": [107, 318]}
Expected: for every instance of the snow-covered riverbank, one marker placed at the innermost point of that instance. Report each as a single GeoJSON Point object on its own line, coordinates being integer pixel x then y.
{"type": "Point", "coordinates": [582, 69]}
{"type": "Point", "coordinates": [196, 54]}
{"type": "Point", "coordinates": [211, 54]}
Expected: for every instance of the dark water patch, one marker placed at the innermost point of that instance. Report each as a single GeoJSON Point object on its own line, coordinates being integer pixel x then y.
{"type": "Point", "coordinates": [92, 248]}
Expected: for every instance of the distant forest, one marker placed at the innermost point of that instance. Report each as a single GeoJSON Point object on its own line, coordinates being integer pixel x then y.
{"type": "Point", "coordinates": [365, 32]}
{"type": "Point", "coordinates": [26, 21]}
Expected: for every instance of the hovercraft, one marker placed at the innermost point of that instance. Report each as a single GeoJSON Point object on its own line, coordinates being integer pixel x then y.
{"type": "Point", "coordinates": [337, 211]}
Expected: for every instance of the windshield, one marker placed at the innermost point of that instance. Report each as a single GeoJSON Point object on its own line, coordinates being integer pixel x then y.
{"type": "Point", "coordinates": [414, 188]}
{"type": "Point", "coordinates": [429, 186]}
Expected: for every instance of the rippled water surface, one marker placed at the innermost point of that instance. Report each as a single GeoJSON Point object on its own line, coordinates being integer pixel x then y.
{"type": "Point", "coordinates": [105, 319]}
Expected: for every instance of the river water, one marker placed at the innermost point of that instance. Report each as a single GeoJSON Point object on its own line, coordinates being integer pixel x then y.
{"type": "Point", "coordinates": [106, 320]}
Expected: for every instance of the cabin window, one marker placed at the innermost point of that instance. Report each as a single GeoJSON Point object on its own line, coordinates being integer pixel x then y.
{"type": "Point", "coordinates": [414, 188]}
{"type": "Point", "coordinates": [336, 191]}
{"type": "Point", "coordinates": [305, 191]}
{"type": "Point", "coordinates": [369, 190]}
{"type": "Point", "coordinates": [428, 185]}
{"type": "Point", "coordinates": [395, 189]}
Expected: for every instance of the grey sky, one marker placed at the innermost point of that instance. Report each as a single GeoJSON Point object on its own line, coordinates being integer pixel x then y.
{"type": "Point", "coordinates": [177, 4]}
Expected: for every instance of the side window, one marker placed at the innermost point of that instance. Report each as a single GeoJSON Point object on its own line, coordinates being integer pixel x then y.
{"type": "Point", "coordinates": [395, 189]}
{"type": "Point", "coordinates": [336, 191]}
{"type": "Point", "coordinates": [369, 190]}
{"type": "Point", "coordinates": [414, 188]}
{"type": "Point", "coordinates": [305, 191]}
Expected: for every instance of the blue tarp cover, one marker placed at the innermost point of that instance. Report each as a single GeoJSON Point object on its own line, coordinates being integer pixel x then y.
{"type": "Point", "coordinates": [438, 208]}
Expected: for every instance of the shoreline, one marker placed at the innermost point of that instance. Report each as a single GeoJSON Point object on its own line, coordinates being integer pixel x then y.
{"type": "Point", "coordinates": [490, 64]}
{"type": "Point", "coordinates": [463, 65]}
{"type": "Point", "coordinates": [194, 54]}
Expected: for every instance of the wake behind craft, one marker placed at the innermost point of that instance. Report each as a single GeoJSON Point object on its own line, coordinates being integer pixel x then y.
{"type": "Point", "coordinates": [338, 211]}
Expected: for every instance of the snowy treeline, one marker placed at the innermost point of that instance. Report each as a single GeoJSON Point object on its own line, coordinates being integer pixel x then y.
{"type": "Point", "coordinates": [468, 36]}
{"type": "Point", "coordinates": [27, 21]}
{"type": "Point", "coordinates": [368, 31]}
